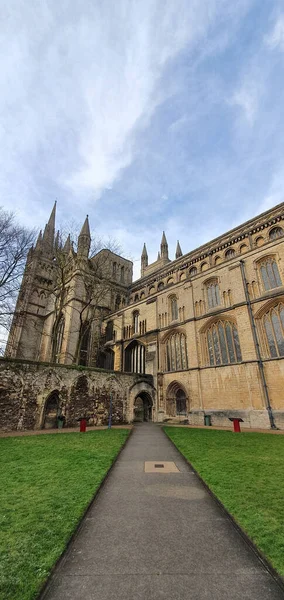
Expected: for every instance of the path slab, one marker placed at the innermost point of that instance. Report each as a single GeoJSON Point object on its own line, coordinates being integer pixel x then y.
{"type": "Point", "coordinates": [158, 535]}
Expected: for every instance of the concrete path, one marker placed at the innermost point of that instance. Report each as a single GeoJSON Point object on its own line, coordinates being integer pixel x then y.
{"type": "Point", "coordinates": [157, 536]}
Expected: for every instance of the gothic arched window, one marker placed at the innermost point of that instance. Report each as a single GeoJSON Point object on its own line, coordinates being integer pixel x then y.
{"type": "Point", "coordinates": [173, 308]}
{"type": "Point", "coordinates": [136, 321]}
{"type": "Point", "coordinates": [213, 293]}
{"type": "Point", "coordinates": [275, 233]}
{"type": "Point", "coordinates": [176, 353]}
{"type": "Point", "coordinates": [273, 324]}
{"type": "Point", "coordinates": [122, 274]}
{"type": "Point", "coordinates": [222, 341]}
{"type": "Point", "coordinates": [58, 333]}
{"type": "Point", "coordinates": [135, 358]}
{"type": "Point", "coordinates": [84, 343]}
{"type": "Point", "coordinates": [270, 273]}
{"type": "Point", "coordinates": [230, 254]}
{"type": "Point", "coordinates": [192, 271]}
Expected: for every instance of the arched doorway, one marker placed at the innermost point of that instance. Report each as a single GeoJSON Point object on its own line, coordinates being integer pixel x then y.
{"type": "Point", "coordinates": [176, 400]}
{"type": "Point", "coordinates": [143, 406]}
{"type": "Point", "coordinates": [51, 411]}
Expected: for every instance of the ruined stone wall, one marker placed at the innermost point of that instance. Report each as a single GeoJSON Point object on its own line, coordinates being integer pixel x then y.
{"type": "Point", "coordinates": [33, 394]}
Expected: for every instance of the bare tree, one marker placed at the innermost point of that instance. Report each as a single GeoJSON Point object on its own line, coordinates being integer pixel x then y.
{"type": "Point", "coordinates": [15, 242]}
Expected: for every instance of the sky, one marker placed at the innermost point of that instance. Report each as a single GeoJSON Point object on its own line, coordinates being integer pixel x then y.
{"type": "Point", "coordinates": [148, 115]}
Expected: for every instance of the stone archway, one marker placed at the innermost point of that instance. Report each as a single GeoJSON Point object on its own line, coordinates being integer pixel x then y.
{"type": "Point", "coordinates": [176, 400]}
{"type": "Point", "coordinates": [143, 407]}
{"type": "Point", "coordinates": [51, 411]}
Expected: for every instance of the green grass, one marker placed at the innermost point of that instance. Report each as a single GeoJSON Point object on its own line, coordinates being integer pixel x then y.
{"type": "Point", "coordinates": [246, 472]}
{"type": "Point", "coordinates": [46, 482]}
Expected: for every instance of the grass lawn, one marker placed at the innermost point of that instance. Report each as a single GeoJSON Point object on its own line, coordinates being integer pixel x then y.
{"type": "Point", "coordinates": [246, 472]}
{"type": "Point", "coordinates": [46, 483]}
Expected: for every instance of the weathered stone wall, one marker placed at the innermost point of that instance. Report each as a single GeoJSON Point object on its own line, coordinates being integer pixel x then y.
{"type": "Point", "coordinates": [32, 394]}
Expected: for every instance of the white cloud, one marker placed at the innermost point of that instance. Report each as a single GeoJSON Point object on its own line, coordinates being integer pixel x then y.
{"type": "Point", "coordinates": [246, 98]}
{"type": "Point", "coordinates": [275, 39]}
{"type": "Point", "coordinates": [78, 81]}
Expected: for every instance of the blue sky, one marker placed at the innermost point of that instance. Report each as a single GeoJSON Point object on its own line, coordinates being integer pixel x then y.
{"type": "Point", "coordinates": [148, 115]}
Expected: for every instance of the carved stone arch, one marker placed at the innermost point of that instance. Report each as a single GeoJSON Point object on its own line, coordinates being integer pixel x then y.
{"type": "Point", "coordinates": [268, 306]}
{"type": "Point", "coordinates": [51, 410]}
{"type": "Point", "coordinates": [173, 330]}
{"type": "Point", "coordinates": [177, 400]}
{"type": "Point", "coordinates": [204, 266]}
{"type": "Point", "coordinates": [141, 401]}
{"type": "Point", "coordinates": [216, 318]}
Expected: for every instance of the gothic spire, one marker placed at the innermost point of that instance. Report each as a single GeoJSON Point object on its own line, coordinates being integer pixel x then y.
{"type": "Point", "coordinates": [144, 253]}
{"type": "Point", "coordinates": [164, 247]}
{"type": "Point", "coordinates": [159, 256]}
{"type": "Point", "coordinates": [144, 260]}
{"type": "Point", "coordinates": [178, 250]}
{"type": "Point", "coordinates": [39, 241]}
{"type": "Point", "coordinates": [49, 231]}
{"type": "Point", "coordinates": [84, 239]}
{"type": "Point", "coordinates": [67, 245]}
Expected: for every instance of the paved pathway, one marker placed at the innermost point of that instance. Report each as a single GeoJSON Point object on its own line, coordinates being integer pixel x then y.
{"type": "Point", "coordinates": [158, 536]}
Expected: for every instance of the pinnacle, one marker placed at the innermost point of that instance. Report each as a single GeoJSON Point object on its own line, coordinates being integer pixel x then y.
{"type": "Point", "coordinates": [178, 250]}
{"type": "Point", "coordinates": [86, 228]}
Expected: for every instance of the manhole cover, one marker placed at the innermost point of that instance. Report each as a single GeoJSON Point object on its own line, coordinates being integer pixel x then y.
{"type": "Point", "coordinates": [160, 467]}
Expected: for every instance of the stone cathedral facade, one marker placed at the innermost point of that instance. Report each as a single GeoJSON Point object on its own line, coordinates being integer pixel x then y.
{"type": "Point", "coordinates": [203, 333]}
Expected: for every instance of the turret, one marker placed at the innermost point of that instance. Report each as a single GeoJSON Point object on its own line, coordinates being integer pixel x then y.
{"type": "Point", "coordinates": [164, 247]}
{"type": "Point", "coordinates": [178, 250]}
{"type": "Point", "coordinates": [84, 240]}
{"type": "Point", "coordinates": [144, 260]}
{"type": "Point", "coordinates": [67, 245]}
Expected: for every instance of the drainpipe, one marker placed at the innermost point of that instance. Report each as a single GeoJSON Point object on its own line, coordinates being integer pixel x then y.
{"type": "Point", "coordinates": [257, 349]}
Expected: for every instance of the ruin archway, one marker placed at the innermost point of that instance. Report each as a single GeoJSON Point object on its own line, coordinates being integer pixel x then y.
{"type": "Point", "coordinates": [51, 411]}
{"type": "Point", "coordinates": [143, 408]}
{"type": "Point", "coordinates": [176, 400]}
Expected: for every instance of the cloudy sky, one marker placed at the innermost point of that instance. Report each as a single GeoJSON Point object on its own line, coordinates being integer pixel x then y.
{"type": "Point", "coordinates": [145, 114]}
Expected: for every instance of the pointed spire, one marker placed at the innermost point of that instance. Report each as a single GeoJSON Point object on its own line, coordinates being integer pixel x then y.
{"type": "Point", "coordinates": [164, 247]}
{"type": "Point", "coordinates": [57, 242]}
{"type": "Point", "coordinates": [84, 240]}
{"type": "Point", "coordinates": [39, 241]}
{"type": "Point", "coordinates": [144, 260]}
{"type": "Point", "coordinates": [159, 256]}
{"type": "Point", "coordinates": [67, 245]}
{"type": "Point", "coordinates": [178, 250]}
{"type": "Point", "coordinates": [49, 231]}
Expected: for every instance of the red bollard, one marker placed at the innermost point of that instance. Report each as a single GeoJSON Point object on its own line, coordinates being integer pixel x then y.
{"type": "Point", "coordinates": [237, 427]}
{"type": "Point", "coordinates": [83, 424]}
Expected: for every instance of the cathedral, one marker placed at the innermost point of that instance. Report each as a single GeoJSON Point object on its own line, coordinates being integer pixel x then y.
{"type": "Point", "coordinates": [203, 333]}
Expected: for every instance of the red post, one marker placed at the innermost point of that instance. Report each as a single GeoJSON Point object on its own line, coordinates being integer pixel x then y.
{"type": "Point", "coordinates": [237, 427]}
{"type": "Point", "coordinates": [83, 424]}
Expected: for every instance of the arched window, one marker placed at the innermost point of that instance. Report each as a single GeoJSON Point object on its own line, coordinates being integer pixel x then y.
{"type": "Point", "coordinates": [173, 308]}
{"type": "Point", "coordinates": [269, 273]}
{"type": "Point", "coordinates": [223, 346]}
{"type": "Point", "coordinates": [84, 343]}
{"type": "Point", "coordinates": [114, 270]}
{"type": "Point", "coordinates": [122, 274]}
{"type": "Point", "coordinates": [135, 358]}
{"type": "Point", "coordinates": [192, 271]}
{"type": "Point", "coordinates": [136, 321]}
{"type": "Point", "coordinates": [273, 324]}
{"type": "Point", "coordinates": [117, 302]}
{"type": "Point", "coordinates": [58, 332]}
{"type": "Point", "coordinates": [213, 293]}
{"type": "Point", "coordinates": [161, 286]}
{"type": "Point", "coordinates": [275, 233]}
{"type": "Point", "coordinates": [109, 331]}
{"type": "Point", "coordinates": [230, 254]}
{"type": "Point", "coordinates": [259, 241]}
{"type": "Point", "coordinates": [176, 354]}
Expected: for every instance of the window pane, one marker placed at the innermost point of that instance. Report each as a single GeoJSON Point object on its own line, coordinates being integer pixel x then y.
{"type": "Point", "coordinates": [282, 315]}
{"type": "Point", "coordinates": [216, 347]}
{"type": "Point", "coordinates": [224, 352]}
{"type": "Point", "coordinates": [230, 343]}
{"type": "Point", "coordinates": [173, 363]}
{"type": "Point", "coordinates": [209, 294]}
{"type": "Point", "coordinates": [277, 279]}
{"type": "Point", "coordinates": [278, 332]}
{"type": "Point", "coordinates": [265, 279]}
{"type": "Point", "coordinates": [178, 352]}
{"type": "Point", "coordinates": [210, 347]}
{"type": "Point", "coordinates": [217, 294]}
{"type": "Point", "coordinates": [237, 344]}
{"type": "Point", "coordinates": [270, 338]}
{"type": "Point", "coordinates": [168, 354]}
{"type": "Point", "coordinates": [183, 352]}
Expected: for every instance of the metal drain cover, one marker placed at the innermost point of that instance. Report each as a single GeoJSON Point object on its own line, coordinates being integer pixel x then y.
{"type": "Point", "coordinates": [160, 467]}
